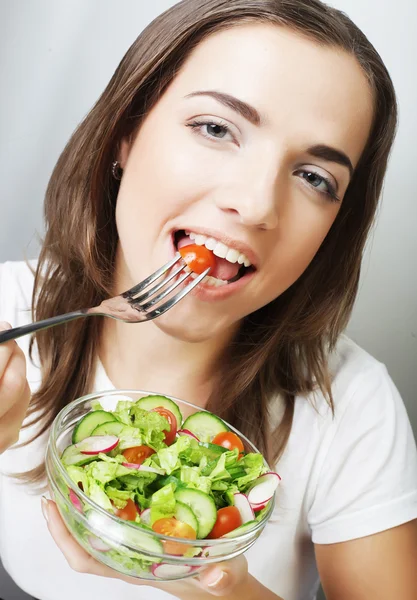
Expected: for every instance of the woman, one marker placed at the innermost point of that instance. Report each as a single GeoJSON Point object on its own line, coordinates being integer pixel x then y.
{"type": "Point", "coordinates": [264, 126]}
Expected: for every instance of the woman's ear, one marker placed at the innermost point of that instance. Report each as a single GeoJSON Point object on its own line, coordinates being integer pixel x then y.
{"type": "Point", "coordinates": [124, 151]}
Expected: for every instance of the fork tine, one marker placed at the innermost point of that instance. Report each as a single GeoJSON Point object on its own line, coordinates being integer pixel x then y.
{"type": "Point", "coordinates": [144, 284]}
{"type": "Point", "coordinates": [158, 286]}
{"type": "Point", "coordinates": [170, 303]}
{"type": "Point", "coordinates": [161, 295]}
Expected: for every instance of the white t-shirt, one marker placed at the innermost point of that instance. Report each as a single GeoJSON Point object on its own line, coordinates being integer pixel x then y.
{"type": "Point", "coordinates": [342, 478]}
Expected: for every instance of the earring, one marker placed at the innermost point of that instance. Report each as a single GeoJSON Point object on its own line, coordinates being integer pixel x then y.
{"type": "Point", "coordinates": [116, 170]}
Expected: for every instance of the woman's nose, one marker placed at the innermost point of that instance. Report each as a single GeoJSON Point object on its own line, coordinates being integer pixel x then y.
{"type": "Point", "coordinates": [254, 198]}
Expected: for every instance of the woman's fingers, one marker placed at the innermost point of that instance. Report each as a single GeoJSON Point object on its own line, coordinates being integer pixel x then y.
{"type": "Point", "coordinates": [225, 577]}
{"type": "Point", "coordinates": [14, 391]}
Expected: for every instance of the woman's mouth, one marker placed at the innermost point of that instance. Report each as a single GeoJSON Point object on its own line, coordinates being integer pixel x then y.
{"type": "Point", "coordinates": [231, 265]}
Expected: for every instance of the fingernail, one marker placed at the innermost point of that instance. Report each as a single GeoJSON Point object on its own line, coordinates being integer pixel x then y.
{"type": "Point", "coordinates": [44, 505]}
{"type": "Point", "coordinates": [214, 579]}
{"type": "Point", "coordinates": [4, 325]}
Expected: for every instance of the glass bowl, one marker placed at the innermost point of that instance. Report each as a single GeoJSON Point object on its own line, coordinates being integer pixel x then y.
{"type": "Point", "coordinates": [123, 545]}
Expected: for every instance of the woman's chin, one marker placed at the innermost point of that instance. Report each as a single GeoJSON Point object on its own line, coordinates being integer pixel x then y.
{"type": "Point", "coordinates": [186, 327]}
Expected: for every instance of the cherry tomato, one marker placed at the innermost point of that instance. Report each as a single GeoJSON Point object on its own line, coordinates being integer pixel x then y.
{"type": "Point", "coordinates": [198, 258]}
{"type": "Point", "coordinates": [170, 526]}
{"type": "Point", "coordinates": [128, 513]}
{"type": "Point", "coordinates": [228, 518]}
{"type": "Point", "coordinates": [228, 440]}
{"type": "Point", "coordinates": [169, 435]}
{"type": "Point", "coordinates": [138, 454]}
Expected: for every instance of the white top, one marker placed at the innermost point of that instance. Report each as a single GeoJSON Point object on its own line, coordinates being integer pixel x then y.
{"type": "Point", "coordinates": [342, 478]}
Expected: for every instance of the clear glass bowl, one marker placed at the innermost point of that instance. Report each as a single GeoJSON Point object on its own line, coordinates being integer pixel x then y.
{"type": "Point", "coordinates": [120, 544]}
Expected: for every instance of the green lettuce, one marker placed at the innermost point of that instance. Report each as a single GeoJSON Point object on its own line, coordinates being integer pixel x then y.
{"type": "Point", "coordinates": [163, 503]}
{"type": "Point", "coordinates": [169, 457]}
{"type": "Point", "coordinates": [119, 497]}
{"type": "Point", "coordinates": [99, 496]}
{"type": "Point", "coordinates": [78, 475]}
{"type": "Point", "coordinates": [192, 477]}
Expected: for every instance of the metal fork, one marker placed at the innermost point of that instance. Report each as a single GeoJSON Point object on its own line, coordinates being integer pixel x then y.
{"type": "Point", "coordinates": [133, 306]}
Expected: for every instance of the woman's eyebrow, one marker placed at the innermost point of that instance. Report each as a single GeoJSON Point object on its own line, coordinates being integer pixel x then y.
{"type": "Point", "coordinates": [332, 155]}
{"type": "Point", "coordinates": [245, 110]}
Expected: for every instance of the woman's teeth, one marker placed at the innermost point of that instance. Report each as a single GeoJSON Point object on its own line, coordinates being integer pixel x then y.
{"type": "Point", "coordinates": [219, 249]}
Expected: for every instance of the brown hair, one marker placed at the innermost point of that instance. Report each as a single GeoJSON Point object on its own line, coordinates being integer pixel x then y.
{"type": "Point", "coordinates": [281, 348]}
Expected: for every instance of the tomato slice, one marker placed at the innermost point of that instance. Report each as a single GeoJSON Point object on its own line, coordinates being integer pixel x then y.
{"type": "Point", "coordinates": [169, 435]}
{"type": "Point", "coordinates": [128, 513]}
{"type": "Point", "coordinates": [229, 440]}
{"type": "Point", "coordinates": [138, 454]}
{"type": "Point", "coordinates": [198, 258]}
{"type": "Point", "coordinates": [228, 518]}
{"type": "Point", "coordinates": [170, 526]}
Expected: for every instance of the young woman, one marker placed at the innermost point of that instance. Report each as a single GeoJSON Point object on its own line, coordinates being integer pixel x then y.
{"type": "Point", "coordinates": [261, 127]}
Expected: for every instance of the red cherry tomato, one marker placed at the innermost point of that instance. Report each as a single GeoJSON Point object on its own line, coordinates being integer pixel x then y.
{"type": "Point", "coordinates": [169, 435]}
{"type": "Point", "coordinates": [138, 454]}
{"type": "Point", "coordinates": [198, 258]}
{"type": "Point", "coordinates": [228, 440]}
{"type": "Point", "coordinates": [228, 518]}
{"type": "Point", "coordinates": [128, 513]}
{"type": "Point", "coordinates": [170, 526]}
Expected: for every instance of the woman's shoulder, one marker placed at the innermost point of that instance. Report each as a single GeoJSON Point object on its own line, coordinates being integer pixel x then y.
{"type": "Point", "coordinates": [361, 387]}
{"type": "Point", "coordinates": [351, 368]}
{"type": "Point", "coordinates": [16, 286]}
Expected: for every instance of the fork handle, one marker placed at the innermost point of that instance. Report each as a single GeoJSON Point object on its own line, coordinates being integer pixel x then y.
{"type": "Point", "coordinates": [17, 332]}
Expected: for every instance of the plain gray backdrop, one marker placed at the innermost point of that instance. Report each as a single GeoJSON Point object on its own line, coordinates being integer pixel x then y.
{"type": "Point", "coordinates": [56, 58]}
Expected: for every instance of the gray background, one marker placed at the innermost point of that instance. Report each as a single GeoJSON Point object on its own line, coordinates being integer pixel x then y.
{"type": "Point", "coordinates": [56, 58]}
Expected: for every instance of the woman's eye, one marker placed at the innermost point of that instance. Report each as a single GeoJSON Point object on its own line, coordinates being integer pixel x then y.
{"type": "Point", "coordinates": [210, 129]}
{"type": "Point", "coordinates": [320, 183]}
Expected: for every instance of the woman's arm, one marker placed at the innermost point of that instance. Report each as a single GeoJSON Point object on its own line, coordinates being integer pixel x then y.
{"type": "Point", "coordinates": [377, 567]}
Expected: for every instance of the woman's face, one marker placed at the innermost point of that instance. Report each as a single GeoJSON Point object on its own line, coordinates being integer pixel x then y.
{"type": "Point", "coordinates": [252, 145]}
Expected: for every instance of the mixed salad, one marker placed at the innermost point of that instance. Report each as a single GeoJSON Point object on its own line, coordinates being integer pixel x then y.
{"type": "Point", "coordinates": [189, 479]}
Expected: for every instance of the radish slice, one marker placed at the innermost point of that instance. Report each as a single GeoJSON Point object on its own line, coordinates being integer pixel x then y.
{"type": "Point", "coordinates": [98, 544]}
{"type": "Point", "coordinates": [244, 508]}
{"type": "Point", "coordinates": [145, 516]}
{"type": "Point", "coordinates": [97, 443]}
{"type": "Point", "coordinates": [258, 507]}
{"type": "Point", "coordinates": [187, 432]}
{"type": "Point", "coordinates": [263, 488]}
{"type": "Point", "coordinates": [76, 501]}
{"type": "Point", "coordinates": [165, 570]}
{"type": "Point", "coordinates": [143, 468]}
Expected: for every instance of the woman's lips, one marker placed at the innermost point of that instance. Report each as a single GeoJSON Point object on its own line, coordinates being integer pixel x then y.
{"type": "Point", "coordinates": [210, 292]}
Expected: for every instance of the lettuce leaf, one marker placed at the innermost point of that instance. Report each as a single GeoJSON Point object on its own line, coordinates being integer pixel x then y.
{"type": "Point", "coordinates": [119, 497]}
{"type": "Point", "coordinates": [163, 503]}
{"type": "Point", "coordinates": [169, 456]}
{"type": "Point", "coordinates": [192, 477]}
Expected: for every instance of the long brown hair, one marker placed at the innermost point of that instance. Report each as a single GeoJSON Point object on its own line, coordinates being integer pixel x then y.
{"type": "Point", "coordinates": [282, 348]}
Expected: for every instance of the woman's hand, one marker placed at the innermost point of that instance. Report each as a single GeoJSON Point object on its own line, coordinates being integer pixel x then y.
{"type": "Point", "coordinates": [14, 391]}
{"type": "Point", "coordinates": [227, 579]}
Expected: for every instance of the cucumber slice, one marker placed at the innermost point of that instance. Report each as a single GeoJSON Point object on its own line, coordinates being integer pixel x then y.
{"type": "Point", "coordinates": [87, 424]}
{"type": "Point", "coordinates": [150, 402]}
{"type": "Point", "coordinates": [203, 507]}
{"type": "Point", "coordinates": [212, 452]}
{"type": "Point", "coordinates": [184, 514]}
{"type": "Point", "coordinates": [204, 425]}
{"type": "Point", "coordinates": [109, 428]}
{"type": "Point", "coordinates": [241, 530]}
{"type": "Point", "coordinates": [72, 456]}
{"type": "Point", "coordinates": [236, 472]}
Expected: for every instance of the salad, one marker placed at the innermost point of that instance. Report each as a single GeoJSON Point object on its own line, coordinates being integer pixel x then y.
{"type": "Point", "coordinates": [189, 479]}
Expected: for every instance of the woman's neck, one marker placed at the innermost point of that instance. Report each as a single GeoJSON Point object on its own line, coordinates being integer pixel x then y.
{"type": "Point", "coordinates": [142, 356]}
